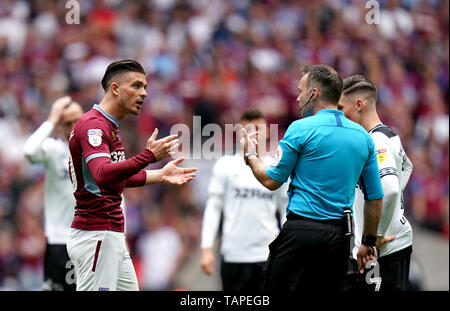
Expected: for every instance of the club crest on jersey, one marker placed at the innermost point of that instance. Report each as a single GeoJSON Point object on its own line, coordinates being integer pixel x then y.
{"type": "Point", "coordinates": [381, 155]}
{"type": "Point", "coordinates": [95, 137]}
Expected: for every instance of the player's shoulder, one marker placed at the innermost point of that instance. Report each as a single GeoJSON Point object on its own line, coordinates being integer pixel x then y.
{"type": "Point", "coordinates": [382, 131]}
{"type": "Point", "coordinates": [52, 143]}
{"type": "Point", "coordinates": [50, 146]}
{"type": "Point", "coordinates": [91, 120]}
{"type": "Point", "coordinates": [384, 135]}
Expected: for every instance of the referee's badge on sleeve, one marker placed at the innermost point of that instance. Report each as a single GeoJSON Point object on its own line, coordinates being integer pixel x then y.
{"type": "Point", "coordinates": [278, 154]}
{"type": "Point", "coordinates": [95, 137]}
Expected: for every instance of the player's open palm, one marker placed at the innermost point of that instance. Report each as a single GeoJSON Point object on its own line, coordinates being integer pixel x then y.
{"type": "Point", "coordinates": [163, 147]}
{"type": "Point", "coordinates": [175, 175]}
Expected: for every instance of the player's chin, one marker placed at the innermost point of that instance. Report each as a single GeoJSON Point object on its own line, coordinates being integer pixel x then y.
{"type": "Point", "coordinates": [136, 110]}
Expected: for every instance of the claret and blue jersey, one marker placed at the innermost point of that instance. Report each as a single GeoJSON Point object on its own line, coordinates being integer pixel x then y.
{"type": "Point", "coordinates": [326, 155]}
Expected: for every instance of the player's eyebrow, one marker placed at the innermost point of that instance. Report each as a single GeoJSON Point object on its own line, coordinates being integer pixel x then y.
{"type": "Point", "coordinates": [139, 83]}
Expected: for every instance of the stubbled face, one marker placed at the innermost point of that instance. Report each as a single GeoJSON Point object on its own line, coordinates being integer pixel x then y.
{"type": "Point", "coordinates": [69, 117]}
{"type": "Point", "coordinates": [131, 92]}
{"type": "Point", "coordinates": [257, 125]}
{"type": "Point", "coordinates": [347, 106]}
{"type": "Point", "coordinates": [302, 91]}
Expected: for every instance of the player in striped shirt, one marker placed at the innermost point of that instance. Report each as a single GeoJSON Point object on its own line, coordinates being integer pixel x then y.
{"type": "Point", "coordinates": [394, 242]}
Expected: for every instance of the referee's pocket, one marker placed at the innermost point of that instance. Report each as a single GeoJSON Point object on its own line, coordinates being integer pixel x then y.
{"type": "Point", "coordinates": [275, 243]}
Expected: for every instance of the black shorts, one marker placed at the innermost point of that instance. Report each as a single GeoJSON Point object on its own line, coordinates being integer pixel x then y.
{"type": "Point", "coordinates": [307, 255]}
{"type": "Point", "coordinates": [58, 270]}
{"type": "Point", "coordinates": [241, 276]}
{"type": "Point", "coordinates": [393, 270]}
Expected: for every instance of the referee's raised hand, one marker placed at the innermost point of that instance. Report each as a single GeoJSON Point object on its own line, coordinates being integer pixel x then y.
{"type": "Point", "coordinates": [248, 142]}
{"type": "Point", "coordinates": [163, 147]}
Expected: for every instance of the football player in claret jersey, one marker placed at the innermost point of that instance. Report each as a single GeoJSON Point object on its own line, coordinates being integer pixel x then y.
{"type": "Point", "coordinates": [252, 216]}
{"type": "Point", "coordinates": [394, 242]}
{"type": "Point", "coordinates": [59, 203]}
{"type": "Point", "coordinates": [99, 173]}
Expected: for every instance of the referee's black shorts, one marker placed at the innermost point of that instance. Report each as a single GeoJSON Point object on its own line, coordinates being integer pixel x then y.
{"type": "Point", "coordinates": [307, 255]}
{"type": "Point", "coordinates": [58, 273]}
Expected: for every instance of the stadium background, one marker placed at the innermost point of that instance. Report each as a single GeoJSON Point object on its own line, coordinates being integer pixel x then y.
{"type": "Point", "coordinates": [213, 59]}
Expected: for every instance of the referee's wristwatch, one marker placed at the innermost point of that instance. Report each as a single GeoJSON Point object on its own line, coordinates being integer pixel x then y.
{"type": "Point", "coordinates": [369, 240]}
{"type": "Point", "coordinates": [248, 155]}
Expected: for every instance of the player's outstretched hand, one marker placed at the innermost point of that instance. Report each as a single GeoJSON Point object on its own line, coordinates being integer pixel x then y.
{"type": "Point", "coordinates": [175, 175]}
{"type": "Point", "coordinates": [207, 261]}
{"type": "Point", "coordinates": [58, 108]}
{"type": "Point", "coordinates": [365, 255]}
{"type": "Point", "coordinates": [163, 147]}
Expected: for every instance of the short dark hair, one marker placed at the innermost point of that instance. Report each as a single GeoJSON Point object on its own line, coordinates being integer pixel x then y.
{"type": "Point", "coordinates": [326, 79]}
{"type": "Point", "coordinates": [118, 67]}
{"type": "Point", "coordinates": [359, 83]}
{"type": "Point", "coordinates": [251, 114]}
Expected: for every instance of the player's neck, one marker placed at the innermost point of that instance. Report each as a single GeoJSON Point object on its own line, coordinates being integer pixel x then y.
{"type": "Point", "coordinates": [109, 106]}
{"type": "Point", "coordinates": [370, 120]}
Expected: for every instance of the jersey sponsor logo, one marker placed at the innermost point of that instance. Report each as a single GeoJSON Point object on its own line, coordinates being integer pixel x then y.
{"type": "Point", "coordinates": [95, 137]}
{"type": "Point", "coordinates": [381, 155]}
{"type": "Point", "coordinates": [247, 193]}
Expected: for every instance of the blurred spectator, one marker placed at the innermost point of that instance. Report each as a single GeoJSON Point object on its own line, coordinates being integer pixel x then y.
{"type": "Point", "coordinates": [160, 248]}
{"type": "Point", "coordinates": [214, 59]}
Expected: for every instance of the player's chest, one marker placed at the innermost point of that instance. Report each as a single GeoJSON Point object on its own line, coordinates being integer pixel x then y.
{"type": "Point", "coordinates": [116, 148]}
{"type": "Point", "coordinates": [243, 185]}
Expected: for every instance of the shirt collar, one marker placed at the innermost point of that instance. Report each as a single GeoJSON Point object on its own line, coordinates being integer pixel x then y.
{"type": "Point", "coordinates": [107, 115]}
{"type": "Point", "coordinates": [375, 127]}
{"type": "Point", "coordinates": [335, 111]}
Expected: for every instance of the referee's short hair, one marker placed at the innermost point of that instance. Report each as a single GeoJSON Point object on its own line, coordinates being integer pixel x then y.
{"type": "Point", "coordinates": [119, 67]}
{"type": "Point", "coordinates": [326, 79]}
{"type": "Point", "coordinates": [359, 83]}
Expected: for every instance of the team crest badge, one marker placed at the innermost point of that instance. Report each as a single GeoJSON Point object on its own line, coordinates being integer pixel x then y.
{"type": "Point", "coordinates": [95, 137]}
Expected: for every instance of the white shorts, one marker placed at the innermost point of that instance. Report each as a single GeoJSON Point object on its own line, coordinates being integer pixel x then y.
{"type": "Point", "coordinates": [101, 261]}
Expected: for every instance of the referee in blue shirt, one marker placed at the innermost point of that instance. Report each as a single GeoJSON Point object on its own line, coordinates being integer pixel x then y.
{"type": "Point", "coordinates": [325, 155]}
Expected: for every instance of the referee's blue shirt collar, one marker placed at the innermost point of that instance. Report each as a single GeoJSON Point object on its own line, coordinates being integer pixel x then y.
{"type": "Point", "coordinates": [330, 111]}
{"type": "Point", "coordinates": [107, 115]}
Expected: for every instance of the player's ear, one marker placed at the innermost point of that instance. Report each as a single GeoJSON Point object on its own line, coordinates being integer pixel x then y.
{"type": "Point", "coordinates": [113, 87]}
{"type": "Point", "coordinates": [359, 104]}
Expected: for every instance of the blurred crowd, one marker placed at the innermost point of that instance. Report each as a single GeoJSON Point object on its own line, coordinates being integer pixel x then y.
{"type": "Point", "coordinates": [209, 58]}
